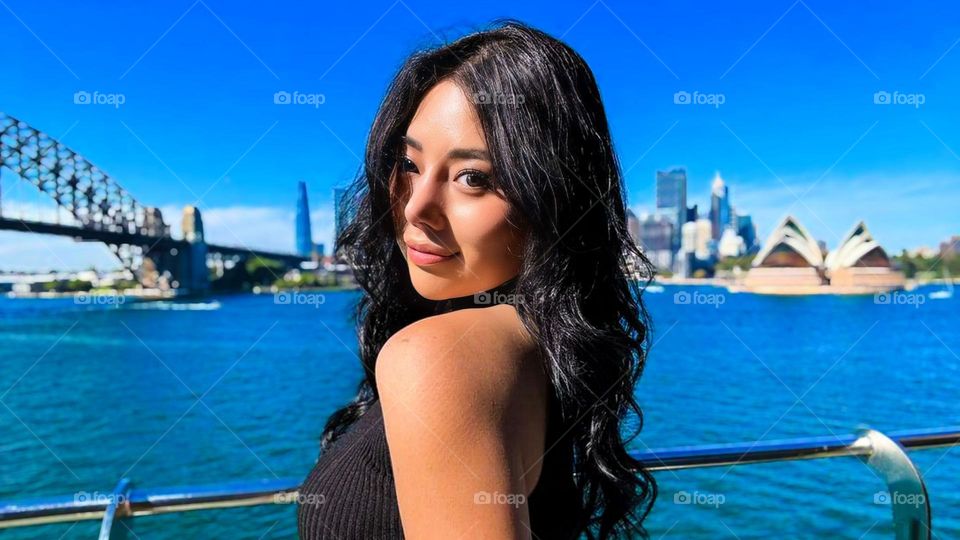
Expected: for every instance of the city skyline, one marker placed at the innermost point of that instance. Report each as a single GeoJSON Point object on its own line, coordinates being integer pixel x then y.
{"type": "Point", "coordinates": [203, 100]}
{"type": "Point", "coordinates": [258, 227]}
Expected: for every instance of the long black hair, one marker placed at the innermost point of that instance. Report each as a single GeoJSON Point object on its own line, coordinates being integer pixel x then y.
{"type": "Point", "coordinates": [582, 275]}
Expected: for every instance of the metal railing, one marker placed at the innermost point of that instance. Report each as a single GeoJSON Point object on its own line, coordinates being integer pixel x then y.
{"type": "Point", "coordinates": [885, 454]}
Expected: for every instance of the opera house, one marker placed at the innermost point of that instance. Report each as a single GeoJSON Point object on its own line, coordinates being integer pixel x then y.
{"type": "Point", "coordinates": [791, 262]}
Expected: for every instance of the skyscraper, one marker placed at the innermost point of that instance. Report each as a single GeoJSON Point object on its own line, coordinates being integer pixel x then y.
{"type": "Point", "coordinates": [748, 231]}
{"type": "Point", "coordinates": [672, 199]}
{"type": "Point", "coordinates": [693, 214]}
{"type": "Point", "coordinates": [719, 207]}
{"type": "Point", "coordinates": [656, 235]}
{"type": "Point", "coordinates": [304, 236]}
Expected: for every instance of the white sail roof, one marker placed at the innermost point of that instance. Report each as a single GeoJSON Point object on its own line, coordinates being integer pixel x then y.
{"type": "Point", "coordinates": [857, 243]}
{"type": "Point", "coordinates": [791, 234]}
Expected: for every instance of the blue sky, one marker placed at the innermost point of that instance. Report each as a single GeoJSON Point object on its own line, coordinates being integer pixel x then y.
{"type": "Point", "coordinates": [798, 129]}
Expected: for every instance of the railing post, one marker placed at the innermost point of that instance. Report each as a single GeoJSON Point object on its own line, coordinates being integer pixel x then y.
{"type": "Point", "coordinates": [907, 493]}
{"type": "Point", "coordinates": [119, 500]}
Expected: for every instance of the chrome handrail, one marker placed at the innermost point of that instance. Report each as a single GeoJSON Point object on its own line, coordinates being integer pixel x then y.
{"type": "Point", "coordinates": [680, 457]}
{"type": "Point", "coordinates": [885, 454]}
{"type": "Point", "coordinates": [118, 498]}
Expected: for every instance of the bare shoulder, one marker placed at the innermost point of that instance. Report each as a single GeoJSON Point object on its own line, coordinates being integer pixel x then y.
{"type": "Point", "coordinates": [464, 402]}
{"type": "Point", "coordinates": [457, 358]}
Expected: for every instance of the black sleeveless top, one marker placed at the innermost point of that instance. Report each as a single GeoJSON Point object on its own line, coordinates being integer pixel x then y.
{"type": "Point", "coordinates": [350, 493]}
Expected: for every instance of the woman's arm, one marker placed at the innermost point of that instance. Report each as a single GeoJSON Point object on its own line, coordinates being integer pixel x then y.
{"type": "Point", "coordinates": [464, 413]}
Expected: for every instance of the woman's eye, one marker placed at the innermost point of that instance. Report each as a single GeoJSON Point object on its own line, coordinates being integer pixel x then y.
{"type": "Point", "coordinates": [475, 179]}
{"type": "Point", "coordinates": [406, 165]}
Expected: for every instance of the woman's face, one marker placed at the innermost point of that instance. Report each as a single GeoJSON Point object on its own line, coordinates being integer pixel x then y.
{"type": "Point", "coordinates": [454, 231]}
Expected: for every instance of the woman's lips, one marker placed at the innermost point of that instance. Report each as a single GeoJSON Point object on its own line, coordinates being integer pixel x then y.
{"type": "Point", "coordinates": [421, 258]}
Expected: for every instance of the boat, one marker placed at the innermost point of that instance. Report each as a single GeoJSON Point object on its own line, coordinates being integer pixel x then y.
{"type": "Point", "coordinates": [946, 293]}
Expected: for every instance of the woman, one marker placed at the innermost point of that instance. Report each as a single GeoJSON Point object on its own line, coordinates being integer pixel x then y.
{"type": "Point", "coordinates": [500, 331]}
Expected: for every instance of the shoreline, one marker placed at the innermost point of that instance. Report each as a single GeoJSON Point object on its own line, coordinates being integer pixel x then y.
{"type": "Point", "coordinates": [735, 286]}
{"type": "Point", "coordinates": [151, 296]}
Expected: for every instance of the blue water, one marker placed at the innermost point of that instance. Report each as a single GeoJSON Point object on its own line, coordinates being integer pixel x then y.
{"type": "Point", "coordinates": [92, 393]}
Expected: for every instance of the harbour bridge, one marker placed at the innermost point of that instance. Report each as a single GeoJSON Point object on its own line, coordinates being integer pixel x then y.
{"type": "Point", "coordinates": [103, 211]}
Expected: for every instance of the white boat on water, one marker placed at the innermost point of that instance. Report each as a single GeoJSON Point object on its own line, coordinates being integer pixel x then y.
{"type": "Point", "coordinates": [945, 293]}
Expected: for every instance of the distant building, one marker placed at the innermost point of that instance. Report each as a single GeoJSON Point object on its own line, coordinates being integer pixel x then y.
{"type": "Point", "coordinates": [692, 213]}
{"type": "Point", "coordinates": [656, 238]}
{"type": "Point", "coordinates": [731, 244]}
{"type": "Point", "coordinates": [304, 236]}
{"type": "Point", "coordinates": [703, 249]}
{"type": "Point", "coordinates": [697, 248]}
{"type": "Point", "coordinates": [748, 231]}
{"type": "Point", "coordinates": [719, 207]}
{"type": "Point", "coordinates": [951, 247]}
{"type": "Point", "coordinates": [790, 245]}
{"type": "Point", "coordinates": [859, 261]}
{"type": "Point", "coordinates": [672, 199]}
{"type": "Point", "coordinates": [791, 261]}
{"type": "Point", "coordinates": [633, 226]}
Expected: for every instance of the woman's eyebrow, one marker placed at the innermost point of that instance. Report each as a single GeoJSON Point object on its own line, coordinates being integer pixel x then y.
{"type": "Point", "coordinates": [468, 153]}
{"type": "Point", "coordinates": [456, 153]}
{"type": "Point", "coordinates": [412, 142]}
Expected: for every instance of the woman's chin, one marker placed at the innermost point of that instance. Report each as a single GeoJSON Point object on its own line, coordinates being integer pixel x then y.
{"type": "Point", "coordinates": [432, 287]}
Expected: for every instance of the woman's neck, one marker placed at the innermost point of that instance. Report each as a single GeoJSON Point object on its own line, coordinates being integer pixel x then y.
{"type": "Point", "coordinates": [500, 294]}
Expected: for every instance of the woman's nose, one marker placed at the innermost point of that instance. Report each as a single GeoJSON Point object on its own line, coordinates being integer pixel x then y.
{"type": "Point", "coordinates": [425, 205]}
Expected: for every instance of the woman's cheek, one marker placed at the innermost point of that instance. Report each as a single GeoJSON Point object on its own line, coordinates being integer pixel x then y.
{"type": "Point", "coordinates": [482, 225]}
{"type": "Point", "coordinates": [484, 235]}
